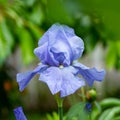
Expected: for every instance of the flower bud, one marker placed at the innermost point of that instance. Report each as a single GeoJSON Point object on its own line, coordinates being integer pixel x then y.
{"type": "Point", "coordinates": [91, 95]}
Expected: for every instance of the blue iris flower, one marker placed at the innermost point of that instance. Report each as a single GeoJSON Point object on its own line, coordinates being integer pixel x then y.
{"type": "Point", "coordinates": [57, 50]}
{"type": "Point", "coordinates": [18, 112]}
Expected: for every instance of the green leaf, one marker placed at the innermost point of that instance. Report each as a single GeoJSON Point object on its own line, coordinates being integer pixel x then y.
{"type": "Point", "coordinates": [110, 102]}
{"type": "Point", "coordinates": [2, 50]}
{"type": "Point", "coordinates": [96, 111]}
{"type": "Point", "coordinates": [37, 16]}
{"type": "Point", "coordinates": [7, 34]}
{"type": "Point", "coordinates": [104, 114]}
{"type": "Point", "coordinates": [118, 47]}
{"type": "Point", "coordinates": [116, 118]}
{"type": "Point", "coordinates": [28, 2]}
{"type": "Point", "coordinates": [6, 41]}
{"type": "Point", "coordinates": [111, 56]}
{"type": "Point", "coordinates": [110, 113]}
{"type": "Point", "coordinates": [77, 111]}
{"type": "Point", "coordinates": [49, 117]}
{"type": "Point", "coordinates": [27, 45]}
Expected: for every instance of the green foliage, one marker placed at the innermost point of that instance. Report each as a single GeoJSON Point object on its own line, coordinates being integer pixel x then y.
{"type": "Point", "coordinates": [107, 109]}
{"type": "Point", "coordinates": [18, 26]}
{"type": "Point", "coordinates": [53, 116]}
{"type": "Point", "coordinates": [6, 41]}
{"type": "Point", "coordinates": [110, 109]}
{"type": "Point", "coordinates": [77, 112]}
{"type": "Point", "coordinates": [26, 45]}
{"type": "Point", "coordinates": [113, 54]}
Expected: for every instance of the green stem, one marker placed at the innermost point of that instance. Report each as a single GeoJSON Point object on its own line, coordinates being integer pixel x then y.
{"type": "Point", "coordinates": [83, 94]}
{"type": "Point", "coordinates": [90, 117]}
{"type": "Point", "coordinates": [60, 112]}
{"type": "Point", "coordinates": [60, 106]}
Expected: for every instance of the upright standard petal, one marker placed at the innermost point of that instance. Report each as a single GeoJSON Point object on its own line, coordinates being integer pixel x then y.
{"type": "Point", "coordinates": [19, 114]}
{"type": "Point", "coordinates": [53, 78]}
{"type": "Point", "coordinates": [76, 43]}
{"type": "Point", "coordinates": [61, 45]}
{"type": "Point", "coordinates": [59, 40]}
{"type": "Point", "coordinates": [24, 78]}
{"type": "Point", "coordinates": [70, 82]}
{"type": "Point", "coordinates": [90, 74]}
{"type": "Point", "coordinates": [51, 31]}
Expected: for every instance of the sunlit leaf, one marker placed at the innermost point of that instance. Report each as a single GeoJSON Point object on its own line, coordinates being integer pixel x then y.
{"type": "Point", "coordinates": [7, 34]}
{"type": "Point", "coordinates": [37, 32]}
{"type": "Point", "coordinates": [110, 113]}
{"type": "Point", "coordinates": [37, 16]}
{"type": "Point", "coordinates": [27, 45]}
{"type": "Point", "coordinates": [6, 41]}
{"type": "Point", "coordinates": [29, 2]}
{"type": "Point", "coordinates": [96, 111]}
{"type": "Point", "coordinates": [106, 103]}
{"type": "Point", "coordinates": [111, 55]}
{"type": "Point", "coordinates": [78, 111]}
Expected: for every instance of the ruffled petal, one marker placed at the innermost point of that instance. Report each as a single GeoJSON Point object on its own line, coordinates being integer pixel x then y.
{"type": "Point", "coordinates": [53, 78]}
{"type": "Point", "coordinates": [61, 46]}
{"type": "Point", "coordinates": [90, 74]}
{"type": "Point", "coordinates": [76, 43]}
{"type": "Point", "coordinates": [77, 46]}
{"type": "Point", "coordinates": [41, 53]}
{"type": "Point", "coordinates": [19, 114]}
{"type": "Point", "coordinates": [70, 82]}
{"type": "Point", "coordinates": [51, 31]}
{"type": "Point", "coordinates": [24, 78]}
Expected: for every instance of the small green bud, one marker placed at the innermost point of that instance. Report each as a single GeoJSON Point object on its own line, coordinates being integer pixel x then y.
{"type": "Point", "coordinates": [91, 95]}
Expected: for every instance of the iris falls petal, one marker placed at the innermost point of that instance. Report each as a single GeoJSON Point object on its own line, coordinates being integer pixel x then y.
{"type": "Point", "coordinates": [90, 74]}
{"type": "Point", "coordinates": [70, 82]}
{"type": "Point", "coordinates": [24, 78]}
{"type": "Point", "coordinates": [53, 78]}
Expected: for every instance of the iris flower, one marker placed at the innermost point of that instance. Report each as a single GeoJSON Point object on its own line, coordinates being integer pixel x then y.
{"type": "Point", "coordinates": [18, 112]}
{"type": "Point", "coordinates": [58, 50]}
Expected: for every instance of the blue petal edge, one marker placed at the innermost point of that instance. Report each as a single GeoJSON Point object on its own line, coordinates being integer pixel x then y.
{"type": "Point", "coordinates": [90, 74]}
{"type": "Point", "coordinates": [24, 78]}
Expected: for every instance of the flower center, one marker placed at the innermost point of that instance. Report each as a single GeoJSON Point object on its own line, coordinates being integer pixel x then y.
{"type": "Point", "coordinates": [61, 66]}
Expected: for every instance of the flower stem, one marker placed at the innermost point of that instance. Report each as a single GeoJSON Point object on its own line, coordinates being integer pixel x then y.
{"type": "Point", "coordinates": [83, 94]}
{"type": "Point", "coordinates": [60, 106]}
{"type": "Point", "coordinates": [60, 112]}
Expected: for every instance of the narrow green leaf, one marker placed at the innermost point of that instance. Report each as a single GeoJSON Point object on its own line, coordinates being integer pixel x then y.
{"type": "Point", "coordinates": [116, 118]}
{"type": "Point", "coordinates": [111, 56]}
{"type": "Point", "coordinates": [6, 41]}
{"type": "Point", "coordinates": [118, 47]}
{"type": "Point", "coordinates": [27, 45]}
{"type": "Point", "coordinates": [77, 111]}
{"type": "Point", "coordinates": [110, 102]}
{"type": "Point", "coordinates": [110, 113]}
{"type": "Point", "coordinates": [55, 116]}
{"type": "Point", "coordinates": [37, 16]}
{"type": "Point", "coordinates": [7, 34]}
{"type": "Point", "coordinates": [104, 114]}
{"type": "Point", "coordinates": [96, 111]}
{"type": "Point", "coordinates": [49, 117]}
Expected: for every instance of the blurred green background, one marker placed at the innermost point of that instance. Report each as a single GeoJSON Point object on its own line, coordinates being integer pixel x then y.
{"type": "Point", "coordinates": [23, 22]}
